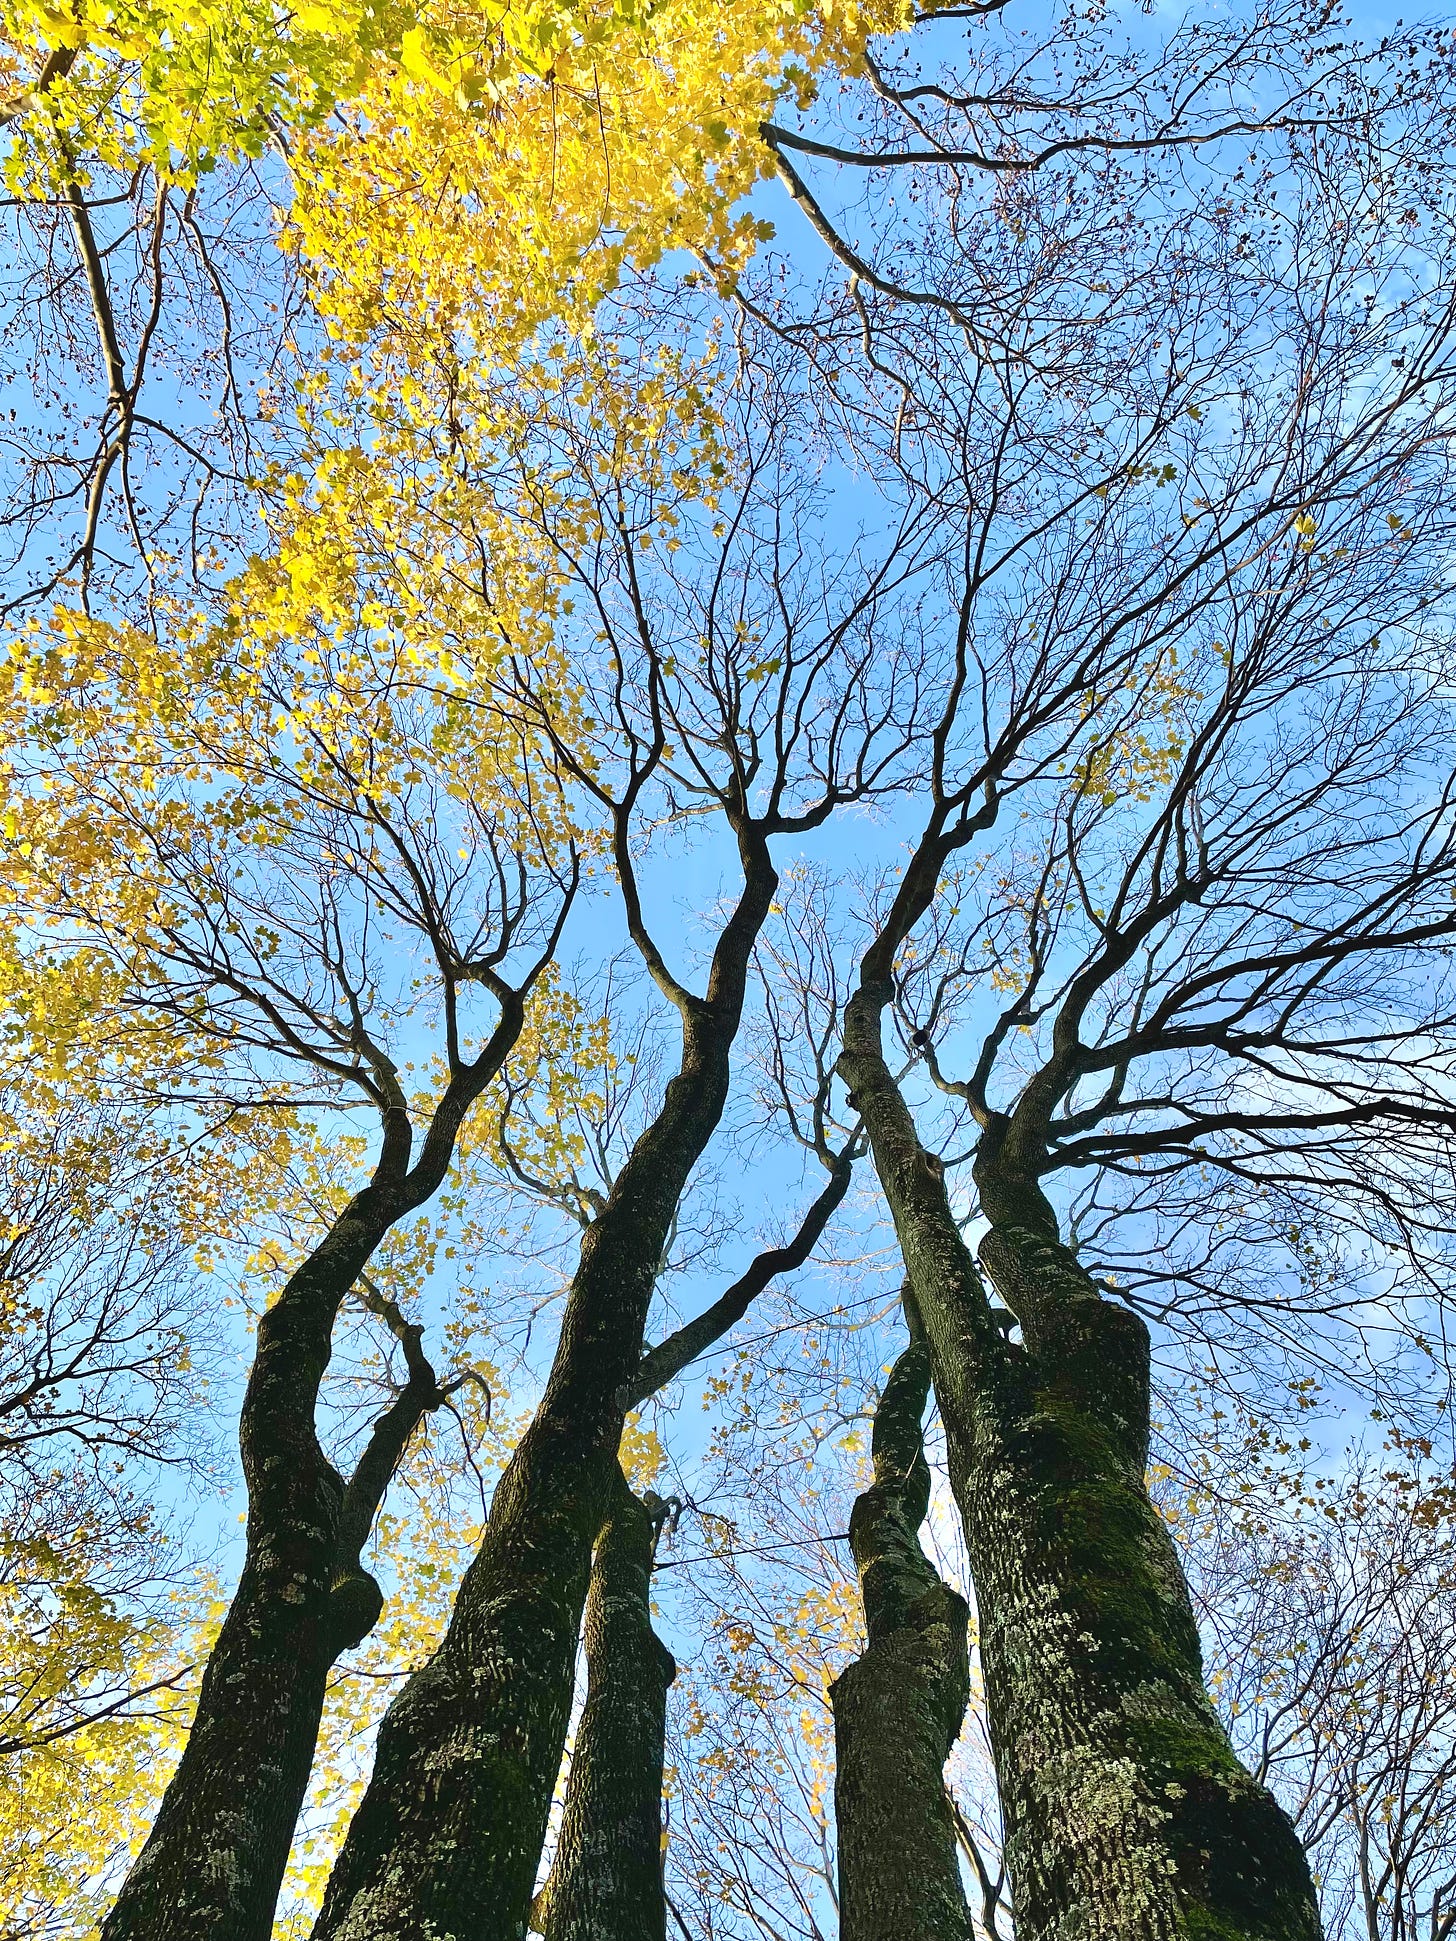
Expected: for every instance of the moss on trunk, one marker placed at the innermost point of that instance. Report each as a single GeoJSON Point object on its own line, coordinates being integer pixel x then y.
{"type": "Point", "coordinates": [899, 1707]}
{"type": "Point", "coordinates": [606, 1882]}
{"type": "Point", "coordinates": [448, 1837]}
{"type": "Point", "coordinates": [1126, 1813]}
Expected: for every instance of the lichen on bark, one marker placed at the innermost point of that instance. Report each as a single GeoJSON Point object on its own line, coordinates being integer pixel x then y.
{"type": "Point", "coordinates": [1126, 1815]}
{"type": "Point", "coordinates": [606, 1879]}
{"type": "Point", "coordinates": [899, 1707]}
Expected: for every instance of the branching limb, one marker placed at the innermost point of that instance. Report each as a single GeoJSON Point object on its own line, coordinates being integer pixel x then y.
{"type": "Point", "coordinates": [670, 1357]}
{"type": "Point", "coordinates": [356, 1601]}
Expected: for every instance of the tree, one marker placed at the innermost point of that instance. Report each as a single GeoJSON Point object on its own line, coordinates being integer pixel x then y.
{"type": "Point", "coordinates": [780, 712]}
{"type": "Point", "coordinates": [104, 1349]}
{"type": "Point", "coordinates": [156, 155]}
{"type": "Point", "coordinates": [1139, 652]}
{"type": "Point", "coordinates": [899, 1707]}
{"type": "Point", "coordinates": [208, 841]}
{"type": "Point", "coordinates": [1327, 1596]}
{"type": "Point", "coordinates": [606, 1876]}
{"type": "Point", "coordinates": [109, 1339]}
{"type": "Point", "coordinates": [1220, 890]}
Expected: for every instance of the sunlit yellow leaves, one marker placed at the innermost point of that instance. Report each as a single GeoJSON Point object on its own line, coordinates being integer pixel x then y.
{"type": "Point", "coordinates": [475, 195]}
{"type": "Point", "coordinates": [1142, 752]}
{"type": "Point", "coordinates": [343, 704]}
{"type": "Point", "coordinates": [533, 1120]}
{"type": "Point", "coordinates": [73, 1801]}
{"type": "Point", "coordinates": [183, 82]}
{"type": "Point", "coordinates": [536, 114]}
{"type": "Point", "coordinates": [640, 1453]}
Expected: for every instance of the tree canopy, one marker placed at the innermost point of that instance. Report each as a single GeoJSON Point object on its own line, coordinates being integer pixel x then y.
{"type": "Point", "coordinates": [728, 856]}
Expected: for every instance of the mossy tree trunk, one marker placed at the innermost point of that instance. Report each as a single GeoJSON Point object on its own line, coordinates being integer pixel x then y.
{"type": "Point", "coordinates": [899, 1707]}
{"type": "Point", "coordinates": [1125, 1811]}
{"type": "Point", "coordinates": [214, 1862]}
{"type": "Point", "coordinates": [606, 1880]}
{"type": "Point", "coordinates": [448, 1837]}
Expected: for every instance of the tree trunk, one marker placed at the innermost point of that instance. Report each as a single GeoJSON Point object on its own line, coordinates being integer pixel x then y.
{"type": "Point", "coordinates": [606, 1882]}
{"type": "Point", "coordinates": [1126, 1814]}
{"type": "Point", "coordinates": [213, 1864]}
{"type": "Point", "coordinates": [898, 1708]}
{"type": "Point", "coordinates": [448, 1836]}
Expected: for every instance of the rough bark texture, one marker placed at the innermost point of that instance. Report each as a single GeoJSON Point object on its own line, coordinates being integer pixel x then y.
{"type": "Point", "coordinates": [606, 1881]}
{"type": "Point", "coordinates": [215, 1859]}
{"type": "Point", "coordinates": [1126, 1813]}
{"type": "Point", "coordinates": [899, 1707]}
{"type": "Point", "coordinates": [447, 1839]}
{"type": "Point", "coordinates": [214, 1862]}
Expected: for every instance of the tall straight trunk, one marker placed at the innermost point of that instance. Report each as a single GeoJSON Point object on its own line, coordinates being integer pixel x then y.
{"type": "Point", "coordinates": [606, 1880]}
{"type": "Point", "coordinates": [899, 1707]}
{"type": "Point", "coordinates": [448, 1836]}
{"type": "Point", "coordinates": [213, 1864]}
{"type": "Point", "coordinates": [1126, 1813]}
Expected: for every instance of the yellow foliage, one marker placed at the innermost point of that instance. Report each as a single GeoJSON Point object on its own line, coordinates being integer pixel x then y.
{"type": "Point", "coordinates": [466, 191]}
{"type": "Point", "coordinates": [75, 1797]}
{"type": "Point", "coordinates": [534, 131]}
{"type": "Point", "coordinates": [177, 801]}
{"type": "Point", "coordinates": [640, 1453]}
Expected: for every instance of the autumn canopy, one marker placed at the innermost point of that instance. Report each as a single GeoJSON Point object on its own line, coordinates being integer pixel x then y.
{"type": "Point", "coordinates": [727, 1001]}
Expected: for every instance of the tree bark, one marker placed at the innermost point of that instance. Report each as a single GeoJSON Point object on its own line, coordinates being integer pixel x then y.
{"type": "Point", "coordinates": [899, 1707]}
{"type": "Point", "coordinates": [215, 1858]}
{"type": "Point", "coordinates": [606, 1880]}
{"type": "Point", "coordinates": [214, 1861]}
{"type": "Point", "coordinates": [1125, 1811]}
{"type": "Point", "coordinates": [448, 1836]}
